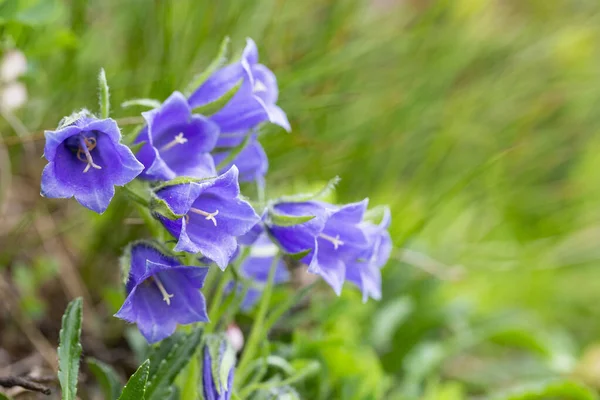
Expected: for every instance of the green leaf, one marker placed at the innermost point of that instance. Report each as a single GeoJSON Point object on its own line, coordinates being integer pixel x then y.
{"type": "Point", "coordinates": [107, 378]}
{"type": "Point", "coordinates": [137, 146]}
{"type": "Point", "coordinates": [234, 153]}
{"type": "Point", "coordinates": [135, 389]}
{"type": "Point", "coordinates": [550, 390]}
{"type": "Point", "coordinates": [149, 103]}
{"type": "Point", "coordinates": [4, 397]}
{"type": "Point", "coordinates": [214, 106]}
{"type": "Point", "coordinates": [216, 63]}
{"type": "Point", "coordinates": [103, 94]}
{"type": "Point", "coordinates": [69, 349]}
{"type": "Point", "coordinates": [287, 220]}
{"type": "Point", "coordinates": [159, 352]}
{"type": "Point", "coordinates": [179, 355]}
{"type": "Point", "coordinates": [68, 120]}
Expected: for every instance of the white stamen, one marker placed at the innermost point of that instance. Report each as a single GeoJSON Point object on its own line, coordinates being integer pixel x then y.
{"type": "Point", "coordinates": [166, 296]}
{"type": "Point", "coordinates": [335, 240]}
{"type": "Point", "coordinates": [209, 216]}
{"type": "Point", "coordinates": [178, 139]}
{"type": "Point", "coordinates": [259, 87]}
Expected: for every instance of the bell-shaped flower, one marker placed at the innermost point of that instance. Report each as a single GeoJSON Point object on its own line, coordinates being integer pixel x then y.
{"type": "Point", "coordinates": [161, 292]}
{"type": "Point", "coordinates": [327, 242]}
{"type": "Point", "coordinates": [210, 214]}
{"type": "Point", "coordinates": [253, 103]}
{"type": "Point", "coordinates": [365, 271]}
{"type": "Point", "coordinates": [252, 161]}
{"type": "Point", "coordinates": [176, 142]}
{"type": "Point", "coordinates": [86, 161]}
{"type": "Point", "coordinates": [218, 367]}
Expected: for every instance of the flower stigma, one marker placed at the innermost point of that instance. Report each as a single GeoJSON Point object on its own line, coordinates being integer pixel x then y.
{"type": "Point", "coordinates": [166, 296]}
{"type": "Point", "coordinates": [335, 240]}
{"type": "Point", "coordinates": [178, 139]}
{"type": "Point", "coordinates": [85, 146]}
{"type": "Point", "coordinates": [208, 216]}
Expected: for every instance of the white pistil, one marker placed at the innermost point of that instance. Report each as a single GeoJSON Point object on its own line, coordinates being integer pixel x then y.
{"type": "Point", "coordinates": [178, 139]}
{"type": "Point", "coordinates": [85, 145]}
{"type": "Point", "coordinates": [166, 296]}
{"type": "Point", "coordinates": [208, 216]}
{"type": "Point", "coordinates": [335, 240]}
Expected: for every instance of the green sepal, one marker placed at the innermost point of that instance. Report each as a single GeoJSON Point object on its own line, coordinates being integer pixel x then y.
{"type": "Point", "coordinates": [70, 119]}
{"type": "Point", "coordinates": [215, 64]}
{"type": "Point", "coordinates": [323, 192]}
{"type": "Point", "coordinates": [233, 153]}
{"type": "Point", "coordinates": [149, 103]}
{"type": "Point", "coordinates": [286, 220]}
{"type": "Point", "coordinates": [214, 106]}
{"type": "Point", "coordinates": [376, 214]}
{"type": "Point", "coordinates": [220, 366]}
{"type": "Point", "coordinates": [103, 95]}
{"type": "Point", "coordinates": [300, 255]}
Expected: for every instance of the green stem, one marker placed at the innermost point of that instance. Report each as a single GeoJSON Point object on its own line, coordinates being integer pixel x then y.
{"type": "Point", "coordinates": [216, 301]}
{"type": "Point", "coordinates": [311, 369]}
{"type": "Point", "coordinates": [258, 329]}
{"type": "Point", "coordinates": [285, 306]}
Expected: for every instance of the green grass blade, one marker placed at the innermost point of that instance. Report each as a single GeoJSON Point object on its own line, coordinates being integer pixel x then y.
{"type": "Point", "coordinates": [107, 378]}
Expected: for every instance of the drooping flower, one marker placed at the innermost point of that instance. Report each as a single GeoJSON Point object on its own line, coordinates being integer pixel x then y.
{"type": "Point", "coordinates": [177, 142]}
{"type": "Point", "coordinates": [365, 271]}
{"type": "Point", "coordinates": [252, 161]}
{"type": "Point", "coordinates": [331, 240]}
{"type": "Point", "coordinates": [161, 292]}
{"type": "Point", "coordinates": [253, 103]}
{"type": "Point", "coordinates": [86, 161]}
{"type": "Point", "coordinates": [257, 265]}
{"type": "Point", "coordinates": [218, 367]}
{"type": "Point", "coordinates": [213, 215]}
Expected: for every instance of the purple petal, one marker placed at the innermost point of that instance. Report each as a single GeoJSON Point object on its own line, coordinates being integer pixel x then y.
{"type": "Point", "coordinates": [218, 84]}
{"type": "Point", "coordinates": [265, 84]}
{"type": "Point", "coordinates": [252, 161]}
{"type": "Point", "coordinates": [180, 198]}
{"type": "Point", "coordinates": [331, 269]}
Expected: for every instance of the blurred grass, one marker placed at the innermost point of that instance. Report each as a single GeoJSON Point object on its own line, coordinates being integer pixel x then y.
{"type": "Point", "coordinates": [474, 119]}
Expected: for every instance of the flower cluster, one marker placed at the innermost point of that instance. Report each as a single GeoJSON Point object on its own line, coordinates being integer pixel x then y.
{"type": "Point", "coordinates": [190, 162]}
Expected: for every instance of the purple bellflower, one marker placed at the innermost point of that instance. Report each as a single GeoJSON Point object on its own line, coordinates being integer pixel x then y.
{"type": "Point", "coordinates": [213, 215]}
{"type": "Point", "coordinates": [253, 103]}
{"type": "Point", "coordinates": [177, 142]}
{"type": "Point", "coordinates": [252, 161]}
{"type": "Point", "coordinates": [161, 292]}
{"type": "Point", "coordinates": [330, 240]}
{"type": "Point", "coordinates": [86, 161]}
{"type": "Point", "coordinates": [365, 271]}
{"type": "Point", "coordinates": [218, 367]}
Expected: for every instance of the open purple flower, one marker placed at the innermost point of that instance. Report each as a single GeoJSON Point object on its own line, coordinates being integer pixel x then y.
{"type": "Point", "coordinates": [252, 161]}
{"type": "Point", "coordinates": [254, 102]}
{"type": "Point", "coordinates": [213, 213]}
{"type": "Point", "coordinates": [177, 142]}
{"type": "Point", "coordinates": [86, 161]}
{"type": "Point", "coordinates": [365, 271]}
{"type": "Point", "coordinates": [328, 242]}
{"type": "Point", "coordinates": [218, 367]}
{"type": "Point", "coordinates": [161, 292]}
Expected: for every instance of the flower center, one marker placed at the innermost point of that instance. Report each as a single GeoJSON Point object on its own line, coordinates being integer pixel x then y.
{"type": "Point", "coordinates": [335, 240]}
{"type": "Point", "coordinates": [87, 144]}
{"type": "Point", "coordinates": [166, 296]}
{"type": "Point", "coordinates": [208, 216]}
{"type": "Point", "coordinates": [178, 139]}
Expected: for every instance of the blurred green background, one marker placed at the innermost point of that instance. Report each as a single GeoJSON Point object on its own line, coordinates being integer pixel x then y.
{"type": "Point", "coordinates": [475, 120]}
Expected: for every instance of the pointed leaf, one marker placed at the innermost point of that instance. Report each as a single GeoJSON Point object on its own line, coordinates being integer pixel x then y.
{"type": "Point", "coordinates": [135, 389]}
{"type": "Point", "coordinates": [103, 94]}
{"type": "Point", "coordinates": [324, 192]}
{"type": "Point", "coordinates": [177, 358]}
{"type": "Point", "coordinates": [234, 153]}
{"type": "Point", "coordinates": [214, 106]}
{"type": "Point", "coordinates": [287, 220]}
{"type": "Point", "coordinates": [107, 378]}
{"type": "Point", "coordinates": [216, 63]}
{"type": "Point", "coordinates": [550, 390]}
{"type": "Point", "coordinates": [137, 146]}
{"type": "Point", "coordinates": [69, 349]}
